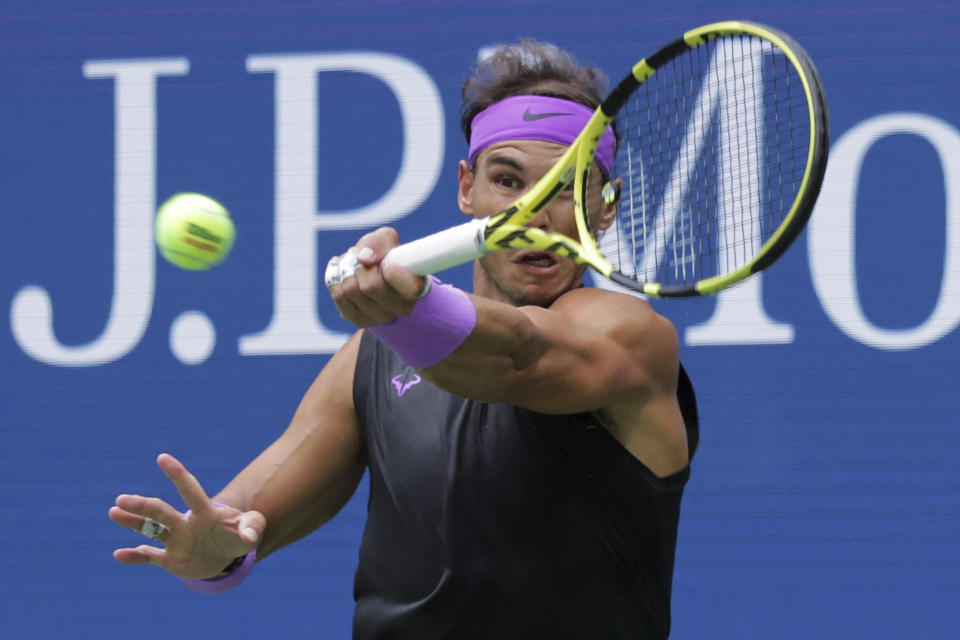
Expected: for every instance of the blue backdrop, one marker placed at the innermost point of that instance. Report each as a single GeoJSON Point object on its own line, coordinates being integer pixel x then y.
{"type": "Point", "coordinates": [825, 500]}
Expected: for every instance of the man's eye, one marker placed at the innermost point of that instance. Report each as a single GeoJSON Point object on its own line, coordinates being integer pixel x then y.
{"type": "Point", "coordinates": [508, 182]}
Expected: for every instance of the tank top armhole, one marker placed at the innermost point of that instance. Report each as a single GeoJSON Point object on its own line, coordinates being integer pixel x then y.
{"type": "Point", "coordinates": [655, 483]}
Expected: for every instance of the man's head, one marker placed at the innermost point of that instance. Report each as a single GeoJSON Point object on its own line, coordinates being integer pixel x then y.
{"type": "Point", "coordinates": [528, 68]}
{"type": "Point", "coordinates": [521, 108]}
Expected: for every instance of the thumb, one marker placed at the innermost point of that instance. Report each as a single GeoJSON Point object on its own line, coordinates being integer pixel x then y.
{"type": "Point", "coordinates": [251, 526]}
{"type": "Point", "coordinates": [405, 282]}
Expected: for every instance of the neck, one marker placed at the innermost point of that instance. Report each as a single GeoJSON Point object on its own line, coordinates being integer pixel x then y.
{"type": "Point", "coordinates": [484, 286]}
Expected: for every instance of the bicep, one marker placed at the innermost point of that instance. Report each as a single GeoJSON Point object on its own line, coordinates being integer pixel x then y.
{"type": "Point", "coordinates": [596, 355]}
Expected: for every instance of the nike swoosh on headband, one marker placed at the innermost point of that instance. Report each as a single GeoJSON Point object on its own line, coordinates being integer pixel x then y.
{"type": "Point", "coordinates": [530, 117]}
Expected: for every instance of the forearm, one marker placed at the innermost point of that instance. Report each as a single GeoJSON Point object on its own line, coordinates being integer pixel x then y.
{"type": "Point", "coordinates": [305, 477]}
{"type": "Point", "coordinates": [508, 351]}
{"type": "Point", "coordinates": [505, 339]}
{"type": "Point", "coordinates": [582, 353]}
{"type": "Point", "coordinates": [577, 355]}
{"type": "Point", "coordinates": [292, 488]}
{"type": "Point", "coordinates": [309, 518]}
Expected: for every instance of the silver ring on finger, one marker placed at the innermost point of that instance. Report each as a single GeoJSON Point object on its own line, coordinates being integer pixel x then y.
{"type": "Point", "coordinates": [152, 529]}
{"type": "Point", "coordinates": [348, 265]}
{"type": "Point", "coordinates": [332, 275]}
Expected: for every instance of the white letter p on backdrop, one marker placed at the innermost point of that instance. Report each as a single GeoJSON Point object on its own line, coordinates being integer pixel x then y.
{"type": "Point", "coordinates": [295, 326]}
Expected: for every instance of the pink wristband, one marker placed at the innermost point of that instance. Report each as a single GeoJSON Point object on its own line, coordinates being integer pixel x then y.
{"type": "Point", "coordinates": [439, 323]}
{"type": "Point", "coordinates": [219, 584]}
{"type": "Point", "coordinates": [223, 583]}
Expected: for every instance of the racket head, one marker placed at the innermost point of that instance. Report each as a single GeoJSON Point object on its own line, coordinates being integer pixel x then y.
{"type": "Point", "coordinates": [724, 135]}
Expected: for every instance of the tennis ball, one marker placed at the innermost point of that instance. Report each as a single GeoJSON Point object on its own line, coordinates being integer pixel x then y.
{"type": "Point", "coordinates": [193, 231]}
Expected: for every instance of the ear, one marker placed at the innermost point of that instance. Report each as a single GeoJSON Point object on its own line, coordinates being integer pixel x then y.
{"type": "Point", "coordinates": [465, 177]}
{"type": "Point", "coordinates": [611, 201]}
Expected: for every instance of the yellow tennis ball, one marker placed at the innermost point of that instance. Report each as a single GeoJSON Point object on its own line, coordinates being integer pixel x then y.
{"type": "Point", "coordinates": [193, 231]}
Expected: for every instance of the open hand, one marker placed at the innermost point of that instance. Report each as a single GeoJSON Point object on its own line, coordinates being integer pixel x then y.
{"type": "Point", "coordinates": [196, 544]}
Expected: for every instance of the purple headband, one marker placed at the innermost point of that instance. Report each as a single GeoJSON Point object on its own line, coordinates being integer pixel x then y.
{"type": "Point", "coordinates": [537, 118]}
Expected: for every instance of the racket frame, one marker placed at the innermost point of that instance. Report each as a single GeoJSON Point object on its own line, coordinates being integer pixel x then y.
{"type": "Point", "coordinates": [507, 229]}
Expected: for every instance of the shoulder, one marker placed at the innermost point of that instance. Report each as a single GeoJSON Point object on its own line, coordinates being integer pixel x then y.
{"type": "Point", "coordinates": [647, 339]}
{"type": "Point", "coordinates": [648, 421]}
{"type": "Point", "coordinates": [628, 319]}
{"type": "Point", "coordinates": [591, 300]}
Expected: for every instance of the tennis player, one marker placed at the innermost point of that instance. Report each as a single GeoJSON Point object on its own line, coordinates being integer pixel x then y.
{"type": "Point", "coordinates": [527, 444]}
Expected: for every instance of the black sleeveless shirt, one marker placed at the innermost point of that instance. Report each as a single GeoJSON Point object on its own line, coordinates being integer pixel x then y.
{"type": "Point", "coordinates": [490, 521]}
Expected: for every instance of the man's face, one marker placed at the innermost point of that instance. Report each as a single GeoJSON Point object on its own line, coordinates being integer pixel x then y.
{"type": "Point", "coordinates": [502, 173]}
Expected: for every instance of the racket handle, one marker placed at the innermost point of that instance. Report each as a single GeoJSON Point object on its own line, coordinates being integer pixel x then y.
{"type": "Point", "coordinates": [442, 250]}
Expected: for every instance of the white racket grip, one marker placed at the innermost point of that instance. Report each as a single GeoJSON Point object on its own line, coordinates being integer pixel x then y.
{"type": "Point", "coordinates": [442, 250]}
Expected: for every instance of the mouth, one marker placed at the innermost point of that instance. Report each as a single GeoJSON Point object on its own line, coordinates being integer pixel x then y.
{"type": "Point", "coordinates": [536, 260]}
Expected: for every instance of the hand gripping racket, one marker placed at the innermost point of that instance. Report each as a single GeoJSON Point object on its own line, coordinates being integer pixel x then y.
{"type": "Point", "coordinates": [723, 141]}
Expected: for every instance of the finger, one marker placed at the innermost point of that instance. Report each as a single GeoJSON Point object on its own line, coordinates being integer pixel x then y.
{"type": "Point", "coordinates": [348, 310]}
{"type": "Point", "coordinates": [144, 554]}
{"type": "Point", "coordinates": [187, 485]}
{"type": "Point", "coordinates": [348, 265]}
{"type": "Point", "coordinates": [368, 257]}
{"type": "Point", "coordinates": [147, 526]}
{"type": "Point", "coordinates": [363, 298]}
{"type": "Point", "coordinates": [366, 300]}
{"type": "Point", "coordinates": [340, 268]}
{"type": "Point", "coordinates": [406, 283]}
{"type": "Point", "coordinates": [372, 248]}
{"type": "Point", "coordinates": [251, 526]}
{"type": "Point", "coordinates": [371, 284]}
{"type": "Point", "coordinates": [331, 276]}
{"type": "Point", "coordinates": [375, 298]}
{"type": "Point", "coordinates": [124, 518]}
{"type": "Point", "coordinates": [369, 313]}
{"type": "Point", "coordinates": [144, 507]}
{"type": "Point", "coordinates": [379, 242]}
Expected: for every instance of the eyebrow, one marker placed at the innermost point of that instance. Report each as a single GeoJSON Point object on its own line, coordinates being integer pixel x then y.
{"type": "Point", "coordinates": [513, 164]}
{"type": "Point", "coordinates": [503, 160]}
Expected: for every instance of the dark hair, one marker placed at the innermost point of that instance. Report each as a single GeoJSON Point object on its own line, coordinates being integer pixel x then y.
{"type": "Point", "coordinates": [528, 68]}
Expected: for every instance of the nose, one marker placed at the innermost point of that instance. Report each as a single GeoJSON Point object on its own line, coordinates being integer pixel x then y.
{"type": "Point", "coordinates": [542, 219]}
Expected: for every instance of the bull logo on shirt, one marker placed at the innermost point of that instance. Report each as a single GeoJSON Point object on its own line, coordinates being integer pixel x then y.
{"type": "Point", "coordinates": [404, 382]}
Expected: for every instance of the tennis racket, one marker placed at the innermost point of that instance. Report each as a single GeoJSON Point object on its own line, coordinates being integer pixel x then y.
{"type": "Point", "coordinates": [723, 141]}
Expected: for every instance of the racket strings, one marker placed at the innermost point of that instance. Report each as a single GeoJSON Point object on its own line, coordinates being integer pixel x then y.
{"type": "Point", "coordinates": [712, 153]}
